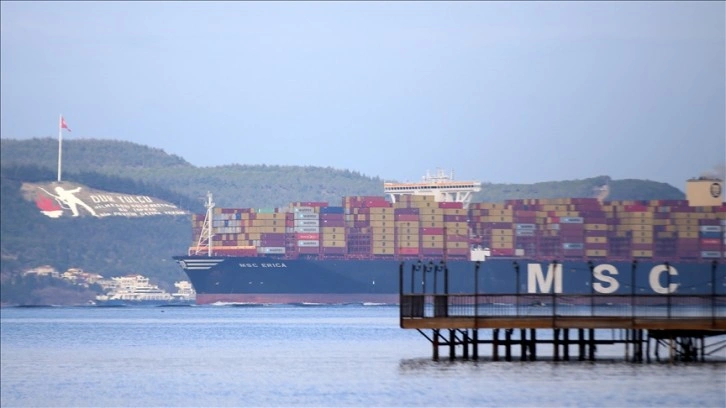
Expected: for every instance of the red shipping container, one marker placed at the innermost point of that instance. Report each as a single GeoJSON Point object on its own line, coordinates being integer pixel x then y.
{"type": "Point", "coordinates": [406, 217]}
{"type": "Point", "coordinates": [377, 204]}
{"type": "Point", "coordinates": [307, 236]}
{"type": "Point", "coordinates": [408, 251]}
{"type": "Point", "coordinates": [502, 251]}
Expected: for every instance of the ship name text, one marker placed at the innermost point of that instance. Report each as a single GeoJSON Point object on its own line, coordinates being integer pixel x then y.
{"type": "Point", "coordinates": [263, 265]}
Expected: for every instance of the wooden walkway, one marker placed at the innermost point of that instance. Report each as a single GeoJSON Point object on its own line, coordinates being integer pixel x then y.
{"type": "Point", "coordinates": [565, 322]}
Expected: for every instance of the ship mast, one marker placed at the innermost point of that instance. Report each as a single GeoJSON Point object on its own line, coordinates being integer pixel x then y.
{"type": "Point", "coordinates": [441, 185]}
{"type": "Point", "coordinates": [205, 237]}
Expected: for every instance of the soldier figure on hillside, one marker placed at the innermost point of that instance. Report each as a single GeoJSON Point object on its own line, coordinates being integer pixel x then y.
{"type": "Point", "coordinates": [67, 199]}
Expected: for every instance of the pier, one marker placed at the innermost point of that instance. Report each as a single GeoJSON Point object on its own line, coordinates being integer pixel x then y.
{"type": "Point", "coordinates": [661, 327]}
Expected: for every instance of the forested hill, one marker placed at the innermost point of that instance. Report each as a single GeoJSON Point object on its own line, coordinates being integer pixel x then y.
{"type": "Point", "coordinates": [240, 185]}
{"type": "Point", "coordinates": [116, 246]}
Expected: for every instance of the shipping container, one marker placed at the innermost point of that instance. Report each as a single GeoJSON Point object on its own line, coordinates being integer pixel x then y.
{"type": "Point", "coordinates": [303, 236]}
{"type": "Point", "coordinates": [307, 223]}
{"type": "Point", "coordinates": [454, 205]}
{"type": "Point", "coordinates": [271, 250]}
{"type": "Point", "coordinates": [642, 253]}
{"type": "Point", "coordinates": [334, 250]}
{"type": "Point", "coordinates": [306, 229]}
{"type": "Point", "coordinates": [332, 210]}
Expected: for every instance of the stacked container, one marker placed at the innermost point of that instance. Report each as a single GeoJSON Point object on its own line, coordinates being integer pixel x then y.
{"type": "Point", "coordinates": [366, 227]}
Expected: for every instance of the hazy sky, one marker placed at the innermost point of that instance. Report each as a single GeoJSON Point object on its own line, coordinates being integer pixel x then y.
{"type": "Point", "coordinates": [496, 91]}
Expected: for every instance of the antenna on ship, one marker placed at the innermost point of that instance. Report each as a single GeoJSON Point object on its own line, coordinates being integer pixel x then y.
{"type": "Point", "coordinates": [441, 186]}
{"type": "Point", "coordinates": [205, 237]}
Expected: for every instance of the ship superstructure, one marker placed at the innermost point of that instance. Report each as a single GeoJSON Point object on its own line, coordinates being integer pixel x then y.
{"type": "Point", "coordinates": [441, 186]}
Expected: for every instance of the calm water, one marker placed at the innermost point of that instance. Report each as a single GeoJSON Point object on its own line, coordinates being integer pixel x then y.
{"type": "Point", "coordinates": [300, 356]}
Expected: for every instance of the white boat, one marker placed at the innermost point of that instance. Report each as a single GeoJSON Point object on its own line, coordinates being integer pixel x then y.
{"type": "Point", "coordinates": [136, 289]}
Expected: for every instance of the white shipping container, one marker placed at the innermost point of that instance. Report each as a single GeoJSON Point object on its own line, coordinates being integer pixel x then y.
{"type": "Point", "coordinates": [307, 223]}
{"type": "Point", "coordinates": [710, 254]}
{"type": "Point", "coordinates": [307, 216]}
{"type": "Point", "coordinates": [710, 228]}
{"type": "Point", "coordinates": [307, 229]}
{"type": "Point", "coordinates": [303, 209]}
{"type": "Point", "coordinates": [525, 226]}
{"type": "Point", "coordinates": [308, 243]}
{"type": "Point", "coordinates": [270, 250]}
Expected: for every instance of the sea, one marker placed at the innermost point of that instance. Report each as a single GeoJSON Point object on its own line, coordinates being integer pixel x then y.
{"type": "Point", "coordinates": [304, 356]}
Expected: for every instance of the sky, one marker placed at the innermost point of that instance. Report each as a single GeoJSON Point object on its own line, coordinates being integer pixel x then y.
{"type": "Point", "coordinates": [499, 92]}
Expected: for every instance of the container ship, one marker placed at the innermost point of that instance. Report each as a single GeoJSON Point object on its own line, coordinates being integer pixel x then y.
{"type": "Point", "coordinates": [317, 253]}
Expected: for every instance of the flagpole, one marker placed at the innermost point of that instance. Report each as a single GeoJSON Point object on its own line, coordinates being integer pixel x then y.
{"type": "Point", "coordinates": [60, 142]}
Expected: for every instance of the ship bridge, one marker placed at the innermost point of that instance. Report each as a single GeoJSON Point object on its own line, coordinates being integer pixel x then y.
{"type": "Point", "coordinates": [441, 185]}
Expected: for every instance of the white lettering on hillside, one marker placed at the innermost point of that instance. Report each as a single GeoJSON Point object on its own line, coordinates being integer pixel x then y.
{"type": "Point", "coordinates": [127, 205]}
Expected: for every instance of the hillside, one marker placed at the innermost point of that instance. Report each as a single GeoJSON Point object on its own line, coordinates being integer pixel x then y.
{"type": "Point", "coordinates": [239, 185]}
{"type": "Point", "coordinates": [233, 185]}
{"type": "Point", "coordinates": [116, 245]}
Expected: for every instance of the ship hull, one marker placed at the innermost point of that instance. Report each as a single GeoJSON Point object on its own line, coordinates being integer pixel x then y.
{"type": "Point", "coordinates": [268, 280]}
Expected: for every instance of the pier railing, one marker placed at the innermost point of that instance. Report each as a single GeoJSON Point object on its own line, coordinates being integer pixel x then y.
{"type": "Point", "coordinates": [707, 307]}
{"type": "Point", "coordinates": [529, 305]}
